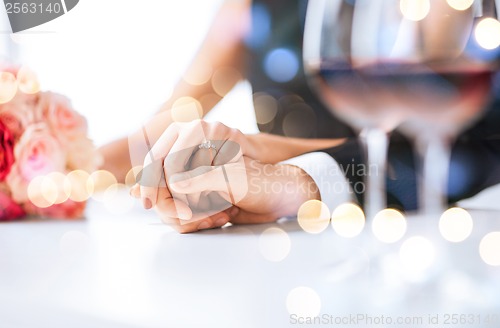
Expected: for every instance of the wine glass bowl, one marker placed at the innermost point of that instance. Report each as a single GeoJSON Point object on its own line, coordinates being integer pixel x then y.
{"type": "Point", "coordinates": [416, 65]}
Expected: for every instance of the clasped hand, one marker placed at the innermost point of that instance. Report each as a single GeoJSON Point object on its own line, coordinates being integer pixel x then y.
{"type": "Point", "coordinates": [201, 175]}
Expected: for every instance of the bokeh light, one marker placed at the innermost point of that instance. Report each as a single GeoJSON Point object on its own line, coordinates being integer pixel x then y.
{"type": "Point", "coordinates": [417, 254]}
{"type": "Point", "coordinates": [389, 226]}
{"type": "Point", "coordinates": [224, 79]}
{"type": "Point", "coordinates": [281, 65]}
{"type": "Point", "coordinates": [208, 101]}
{"type": "Point", "coordinates": [489, 248]}
{"type": "Point", "coordinates": [313, 216]}
{"type": "Point", "coordinates": [261, 26]}
{"type": "Point", "coordinates": [98, 182]}
{"type": "Point", "coordinates": [27, 80]}
{"type": "Point", "coordinates": [186, 109]}
{"type": "Point", "coordinates": [199, 72]}
{"type": "Point", "coordinates": [303, 302]}
{"type": "Point", "coordinates": [487, 33]}
{"type": "Point", "coordinates": [348, 220]}
{"type": "Point", "coordinates": [58, 180]}
{"type": "Point", "coordinates": [300, 121]}
{"type": "Point", "coordinates": [131, 177]}
{"type": "Point", "coordinates": [415, 10]}
{"type": "Point", "coordinates": [266, 107]}
{"type": "Point", "coordinates": [455, 224]}
{"type": "Point", "coordinates": [274, 244]}
{"type": "Point", "coordinates": [460, 4]}
{"type": "Point", "coordinates": [42, 192]}
{"type": "Point", "coordinates": [77, 187]}
{"type": "Point", "coordinates": [8, 87]}
{"type": "Point", "coordinates": [116, 200]}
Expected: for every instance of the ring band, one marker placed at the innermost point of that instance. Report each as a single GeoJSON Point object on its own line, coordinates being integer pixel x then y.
{"type": "Point", "coordinates": [207, 145]}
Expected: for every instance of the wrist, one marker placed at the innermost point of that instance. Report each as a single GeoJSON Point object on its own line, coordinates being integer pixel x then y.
{"type": "Point", "coordinates": [299, 188]}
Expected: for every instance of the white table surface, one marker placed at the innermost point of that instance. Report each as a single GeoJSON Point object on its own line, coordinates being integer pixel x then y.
{"type": "Point", "coordinates": [128, 270]}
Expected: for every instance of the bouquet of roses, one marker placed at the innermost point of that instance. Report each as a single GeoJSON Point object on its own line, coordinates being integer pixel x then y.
{"type": "Point", "coordinates": [40, 133]}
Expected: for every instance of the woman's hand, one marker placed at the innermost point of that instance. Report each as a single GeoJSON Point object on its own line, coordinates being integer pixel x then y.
{"type": "Point", "coordinates": [195, 187]}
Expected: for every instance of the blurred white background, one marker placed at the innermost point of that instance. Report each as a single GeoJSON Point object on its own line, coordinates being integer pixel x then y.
{"type": "Point", "coordinates": [118, 60]}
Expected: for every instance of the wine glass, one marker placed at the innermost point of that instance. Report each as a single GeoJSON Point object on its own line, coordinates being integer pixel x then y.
{"type": "Point", "coordinates": [328, 52]}
{"type": "Point", "coordinates": [380, 63]}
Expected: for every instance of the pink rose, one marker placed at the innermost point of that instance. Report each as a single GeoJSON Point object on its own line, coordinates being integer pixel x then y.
{"type": "Point", "coordinates": [6, 67]}
{"type": "Point", "coordinates": [6, 151]}
{"type": "Point", "coordinates": [37, 153]}
{"type": "Point", "coordinates": [62, 119]}
{"type": "Point", "coordinates": [9, 210]}
{"type": "Point", "coordinates": [67, 210]}
{"type": "Point", "coordinates": [17, 114]}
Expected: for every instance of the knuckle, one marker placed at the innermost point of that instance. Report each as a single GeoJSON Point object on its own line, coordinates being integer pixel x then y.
{"type": "Point", "coordinates": [234, 133]}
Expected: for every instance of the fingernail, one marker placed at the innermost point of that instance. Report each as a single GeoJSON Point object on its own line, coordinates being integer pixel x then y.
{"type": "Point", "coordinates": [147, 203]}
{"type": "Point", "coordinates": [204, 225]}
{"type": "Point", "coordinates": [220, 222]}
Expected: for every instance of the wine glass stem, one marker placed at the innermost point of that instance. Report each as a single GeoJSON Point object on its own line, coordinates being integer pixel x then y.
{"type": "Point", "coordinates": [375, 143]}
{"type": "Point", "coordinates": [434, 157]}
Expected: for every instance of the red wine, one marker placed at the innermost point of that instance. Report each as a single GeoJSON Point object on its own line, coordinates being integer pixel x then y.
{"type": "Point", "coordinates": [386, 94]}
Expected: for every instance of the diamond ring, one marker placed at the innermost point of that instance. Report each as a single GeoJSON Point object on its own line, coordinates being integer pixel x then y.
{"type": "Point", "coordinates": [207, 145]}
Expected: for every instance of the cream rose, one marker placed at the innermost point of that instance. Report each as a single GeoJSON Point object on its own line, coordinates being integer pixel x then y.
{"type": "Point", "coordinates": [63, 120]}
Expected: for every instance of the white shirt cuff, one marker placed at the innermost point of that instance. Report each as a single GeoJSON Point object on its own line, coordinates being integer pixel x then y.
{"type": "Point", "coordinates": [328, 176]}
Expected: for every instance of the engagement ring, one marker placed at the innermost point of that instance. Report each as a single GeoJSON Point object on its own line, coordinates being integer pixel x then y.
{"type": "Point", "coordinates": [207, 145]}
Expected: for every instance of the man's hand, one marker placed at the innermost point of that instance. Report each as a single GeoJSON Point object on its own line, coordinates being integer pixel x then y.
{"type": "Point", "coordinates": [201, 175]}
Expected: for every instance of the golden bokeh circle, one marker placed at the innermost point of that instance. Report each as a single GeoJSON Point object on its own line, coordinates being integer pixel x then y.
{"type": "Point", "coordinates": [266, 107]}
{"type": "Point", "coordinates": [274, 244]}
{"type": "Point", "coordinates": [58, 180]}
{"type": "Point", "coordinates": [414, 10]}
{"type": "Point", "coordinates": [8, 87]}
{"type": "Point", "coordinates": [303, 302]}
{"type": "Point", "coordinates": [348, 220]}
{"type": "Point", "coordinates": [389, 226]}
{"type": "Point", "coordinates": [224, 79]}
{"type": "Point", "coordinates": [487, 33]}
{"type": "Point", "coordinates": [460, 5]}
{"type": "Point", "coordinates": [186, 109]}
{"type": "Point", "coordinates": [98, 182]}
{"type": "Point", "coordinates": [199, 72]}
{"type": "Point", "coordinates": [489, 248]}
{"type": "Point", "coordinates": [455, 225]}
{"type": "Point", "coordinates": [76, 186]}
{"type": "Point", "coordinates": [42, 192]}
{"type": "Point", "coordinates": [27, 80]}
{"type": "Point", "coordinates": [131, 177]}
{"type": "Point", "coordinates": [313, 216]}
{"type": "Point", "coordinates": [417, 254]}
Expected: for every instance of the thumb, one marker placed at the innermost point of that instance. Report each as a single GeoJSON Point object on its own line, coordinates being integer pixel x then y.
{"type": "Point", "coordinates": [228, 178]}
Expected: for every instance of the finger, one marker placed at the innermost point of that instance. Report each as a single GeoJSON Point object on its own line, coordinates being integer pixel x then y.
{"type": "Point", "coordinates": [218, 202]}
{"type": "Point", "coordinates": [152, 173]}
{"type": "Point", "coordinates": [229, 152]}
{"type": "Point", "coordinates": [177, 196]}
{"type": "Point", "coordinates": [229, 178]}
{"type": "Point", "coordinates": [135, 191]}
{"type": "Point", "coordinates": [202, 223]}
{"type": "Point", "coordinates": [171, 207]}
